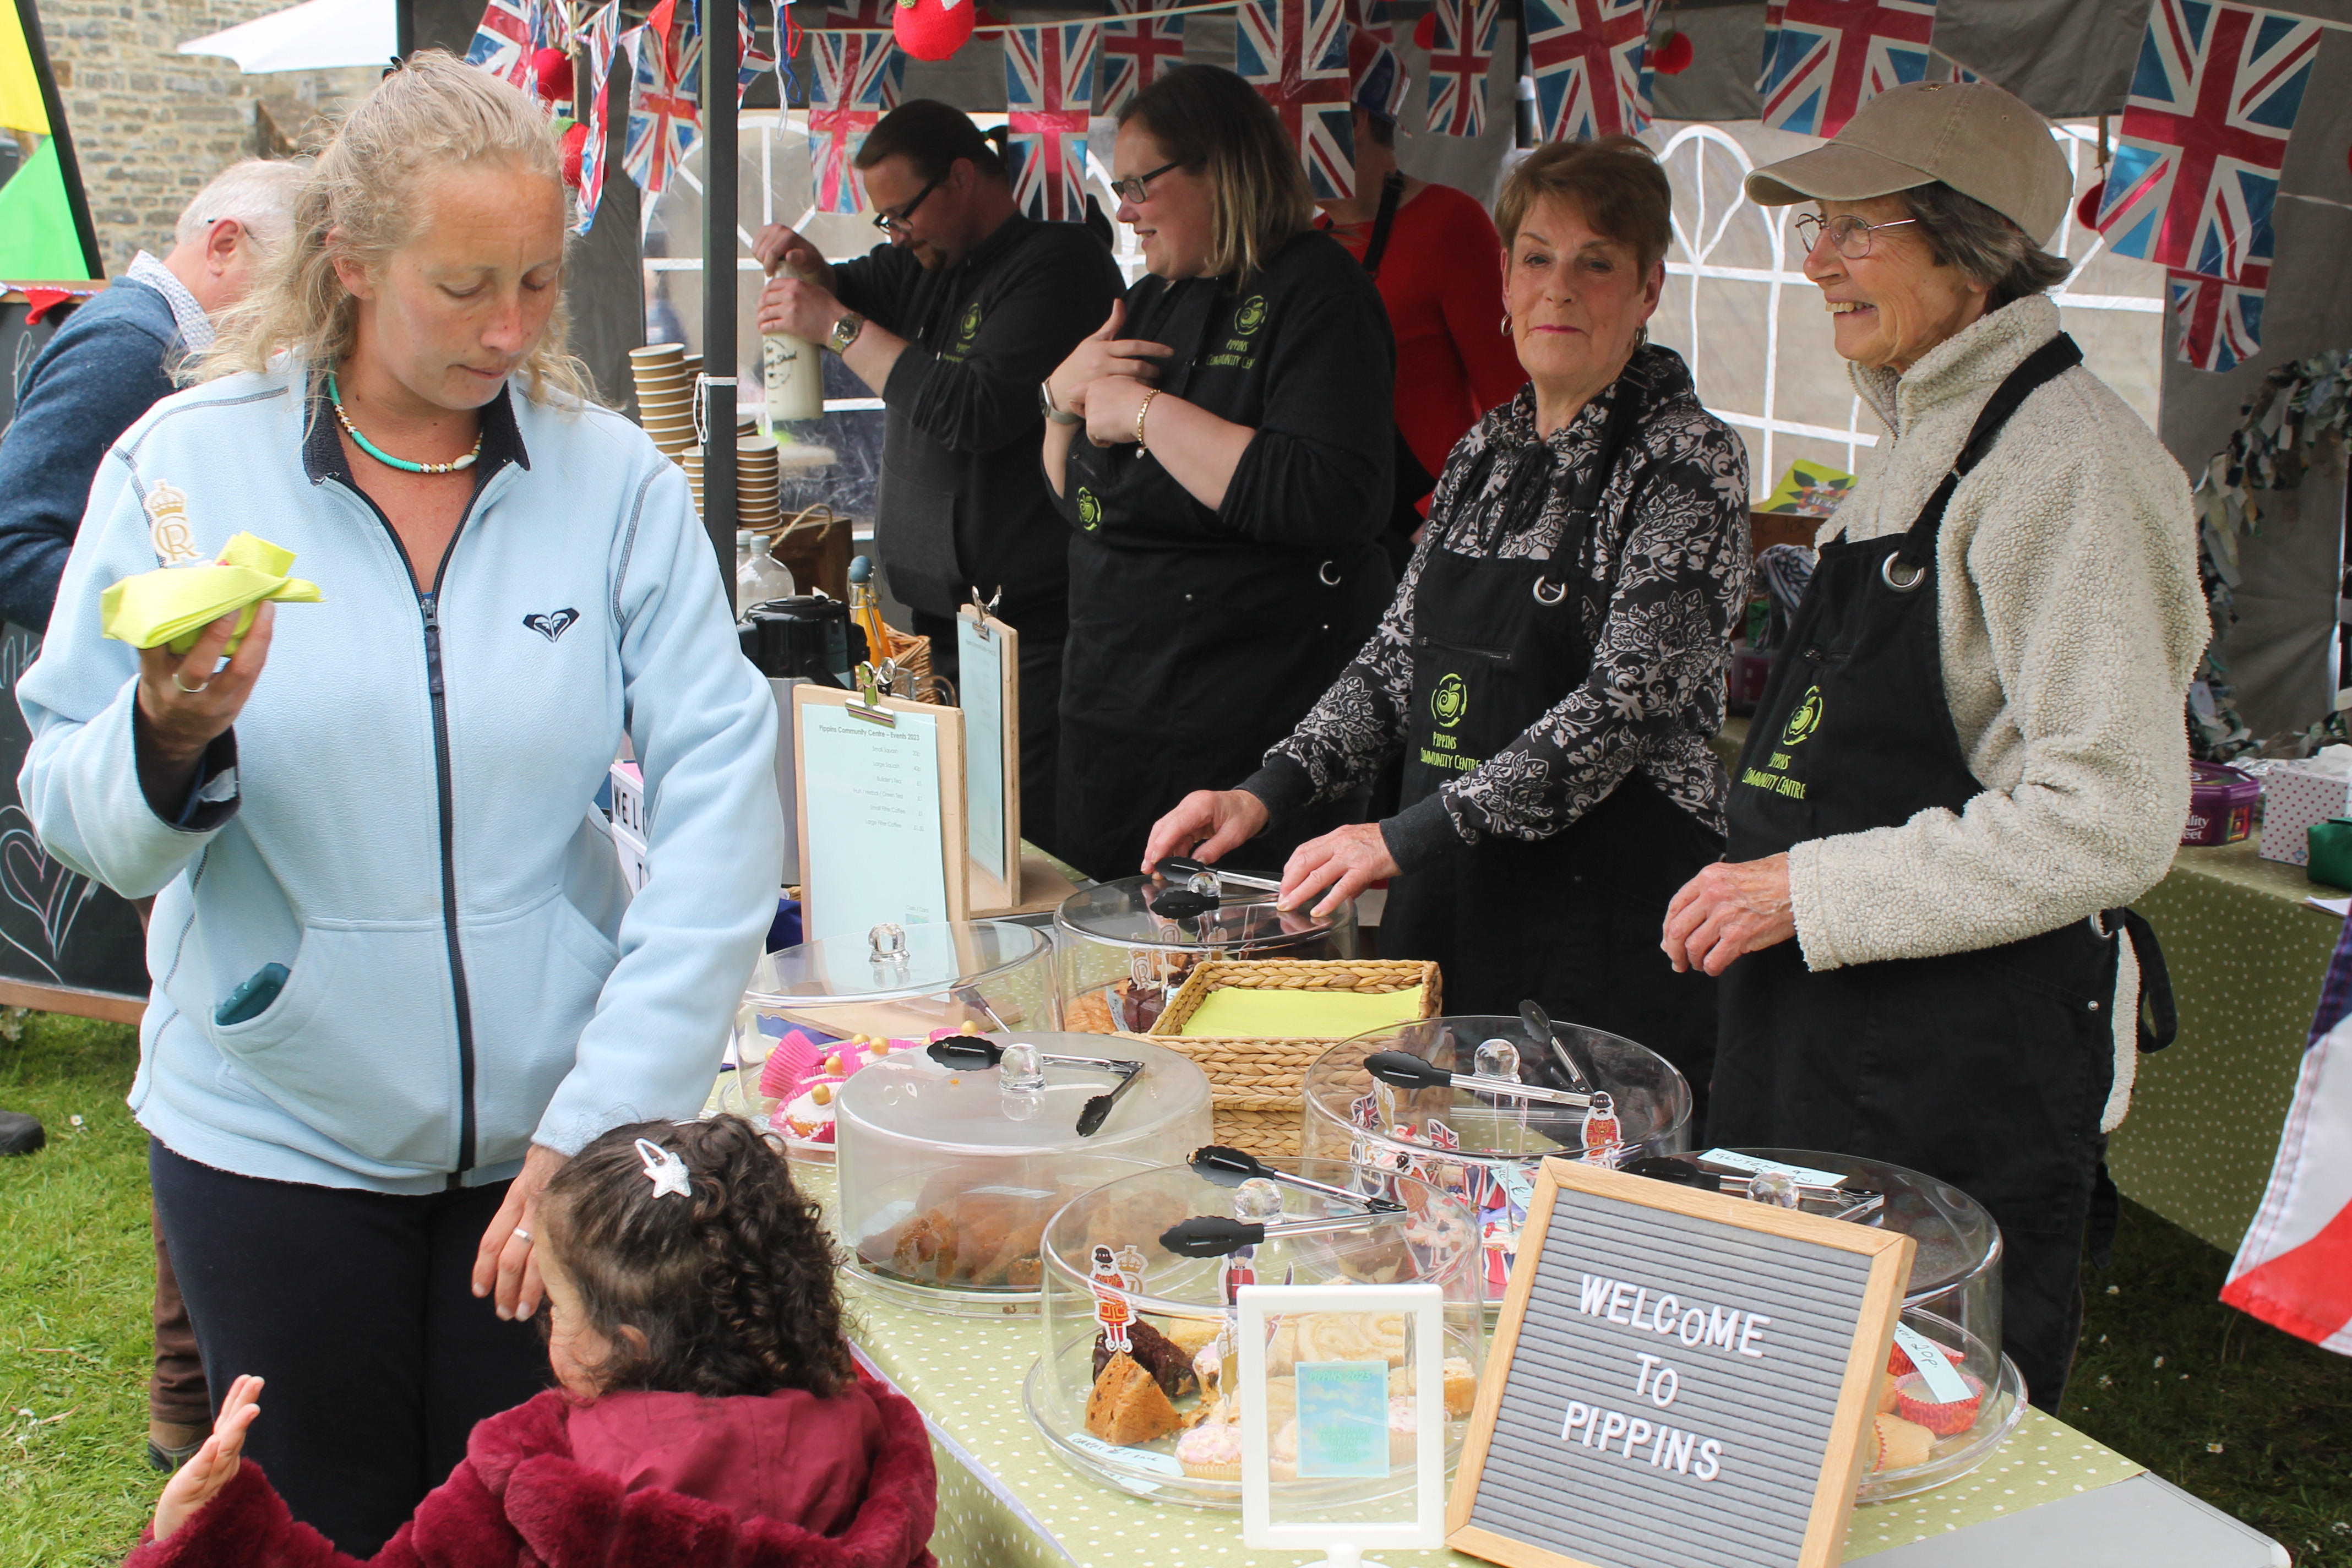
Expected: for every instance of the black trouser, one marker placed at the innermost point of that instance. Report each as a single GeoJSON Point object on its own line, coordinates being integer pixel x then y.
{"type": "Point", "coordinates": [1043, 632]}
{"type": "Point", "coordinates": [358, 1307]}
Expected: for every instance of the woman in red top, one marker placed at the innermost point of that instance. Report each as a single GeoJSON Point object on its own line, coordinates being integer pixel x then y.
{"type": "Point", "coordinates": [1441, 275]}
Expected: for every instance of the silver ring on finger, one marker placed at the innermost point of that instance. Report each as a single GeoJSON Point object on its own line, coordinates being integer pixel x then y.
{"type": "Point", "coordinates": [522, 1236]}
{"type": "Point", "coordinates": [191, 690]}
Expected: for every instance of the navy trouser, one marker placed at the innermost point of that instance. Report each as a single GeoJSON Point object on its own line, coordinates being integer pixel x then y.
{"type": "Point", "coordinates": [359, 1310]}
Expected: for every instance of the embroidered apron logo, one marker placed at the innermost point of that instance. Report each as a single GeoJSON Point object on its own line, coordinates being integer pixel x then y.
{"type": "Point", "coordinates": [554, 624]}
{"type": "Point", "coordinates": [1450, 701]}
{"type": "Point", "coordinates": [1089, 510]}
{"type": "Point", "coordinates": [1805, 720]}
{"type": "Point", "coordinates": [967, 329]}
{"type": "Point", "coordinates": [1251, 316]}
{"type": "Point", "coordinates": [167, 526]}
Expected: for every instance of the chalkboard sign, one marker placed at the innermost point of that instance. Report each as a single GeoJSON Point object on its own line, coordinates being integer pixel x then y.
{"type": "Point", "coordinates": [1678, 1380]}
{"type": "Point", "coordinates": [67, 944]}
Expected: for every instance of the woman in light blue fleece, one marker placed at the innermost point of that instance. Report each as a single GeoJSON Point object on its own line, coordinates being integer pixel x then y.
{"type": "Point", "coordinates": [390, 794]}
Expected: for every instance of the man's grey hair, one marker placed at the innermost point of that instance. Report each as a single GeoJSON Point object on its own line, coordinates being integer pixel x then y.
{"type": "Point", "coordinates": [1963, 232]}
{"type": "Point", "coordinates": [258, 192]}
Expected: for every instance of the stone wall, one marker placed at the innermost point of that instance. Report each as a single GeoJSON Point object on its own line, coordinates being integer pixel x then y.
{"type": "Point", "coordinates": [151, 126]}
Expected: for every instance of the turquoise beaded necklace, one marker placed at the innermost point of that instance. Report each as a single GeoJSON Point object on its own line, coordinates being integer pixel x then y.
{"type": "Point", "coordinates": [386, 459]}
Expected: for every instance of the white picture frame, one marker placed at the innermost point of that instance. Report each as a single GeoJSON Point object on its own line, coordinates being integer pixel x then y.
{"type": "Point", "coordinates": [1424, 1305]}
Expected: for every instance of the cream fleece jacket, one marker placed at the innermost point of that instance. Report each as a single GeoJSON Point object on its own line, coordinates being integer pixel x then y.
{"type": "Point", "coordinates": [2070, 621]}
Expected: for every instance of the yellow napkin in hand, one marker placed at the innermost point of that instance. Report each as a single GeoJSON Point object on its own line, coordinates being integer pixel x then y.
{"type": "Point", "coordinates": [173, 605]}
{"type": "Point", "coordinates": [1238, 1011]}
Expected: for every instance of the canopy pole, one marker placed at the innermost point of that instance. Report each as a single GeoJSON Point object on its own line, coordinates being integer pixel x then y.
{"type": "Point", "coordinates": [718, 285]}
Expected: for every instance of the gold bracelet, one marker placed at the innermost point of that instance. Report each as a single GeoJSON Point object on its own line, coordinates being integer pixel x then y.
{"type": "Point", "coordinates": [1141, 410]}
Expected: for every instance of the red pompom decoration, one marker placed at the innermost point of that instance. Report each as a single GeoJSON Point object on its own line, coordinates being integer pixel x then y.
{"type": "Point", "coordinates": [2086, 211]}
{"type": "Point", "coordinates": [930, 30]}
{"type": "Point", "coordinates": [554, 68]}
{"type": "Point", "coordinates": [1671, 56]}
{"type": "Point", "coordinates": [1424, 32]}
{"type": "Point", "coordinates": [573, 140]}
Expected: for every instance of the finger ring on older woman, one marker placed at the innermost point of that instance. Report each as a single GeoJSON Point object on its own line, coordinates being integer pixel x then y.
{"type": "Point", "coordinates": [522, 1236]}
{"type": "Point", "coordinates": [191, 690]}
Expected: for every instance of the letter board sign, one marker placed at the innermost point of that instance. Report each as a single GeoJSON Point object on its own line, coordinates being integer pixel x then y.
{"type": "Point", "coordinates": [1678, 1380]}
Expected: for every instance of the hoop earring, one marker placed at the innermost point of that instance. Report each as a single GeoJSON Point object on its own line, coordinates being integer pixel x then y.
{"type": "Point", "coordinates": [1505, 328]}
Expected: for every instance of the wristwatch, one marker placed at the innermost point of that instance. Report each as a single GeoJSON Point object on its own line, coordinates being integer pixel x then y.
{"type": "Point", "coordinates": [846, 331]}
{"type": "Point", "coordinates": [1052, 410]}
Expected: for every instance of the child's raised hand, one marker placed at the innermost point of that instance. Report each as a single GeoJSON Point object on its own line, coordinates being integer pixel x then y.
{"type": "Point", "coordinates": [214, 1465]}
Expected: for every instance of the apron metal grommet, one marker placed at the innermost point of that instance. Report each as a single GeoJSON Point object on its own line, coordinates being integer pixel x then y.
{"type": "Point", "coordinates": [1558, 591]}
{"type": "Point", "coordinates": [1324, 573]}
{"type": "Point", "coordinates": [1901, 585]}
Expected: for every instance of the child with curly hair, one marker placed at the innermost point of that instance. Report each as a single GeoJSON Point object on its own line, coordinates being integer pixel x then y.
{"type": "Point", "coordinates": [709, 1411]}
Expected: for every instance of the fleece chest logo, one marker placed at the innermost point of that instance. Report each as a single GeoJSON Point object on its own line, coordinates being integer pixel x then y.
{"type": "Point", "coordinates": [167, 526]}
{"type": "Point", "coordinates": [554, 624]}
{"type": "Point", "coordinates": [1089, 510]}
{"type": "Point", "coordinates": [1250, 317]}
{"type": "Point", "coordinates": [968, 328]}
{"type": "Point", "coordinates": [1450, 701]}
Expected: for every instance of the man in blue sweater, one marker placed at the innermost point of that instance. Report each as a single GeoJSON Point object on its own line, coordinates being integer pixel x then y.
{"type": "Point", "coordinates": [112, 358]}
{"type": "Point", "coordinates": [102, 369]}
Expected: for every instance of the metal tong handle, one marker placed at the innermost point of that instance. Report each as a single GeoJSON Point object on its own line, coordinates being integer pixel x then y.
{"type": "Point", "coordinates": [1217, 1161]}
{"type": "Point", "coordinates": [1539, 1022]}
{"type": "Point", "coordinates": [972, 1053]}
{"type": "Point", "coordinates": [1185, 866]}
{"type": "Point", "coordinates": [1215, 1236]}
{"type": "Point", "coordinates": [1405, 1070]}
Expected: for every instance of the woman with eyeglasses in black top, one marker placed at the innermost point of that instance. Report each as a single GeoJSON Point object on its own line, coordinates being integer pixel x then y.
{"type": "Point", "coordinates": [1222, 448]}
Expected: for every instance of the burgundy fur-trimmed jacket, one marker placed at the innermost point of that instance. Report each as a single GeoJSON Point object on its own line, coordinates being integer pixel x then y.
{"type": "Point", "coordinates": [522, 1496]}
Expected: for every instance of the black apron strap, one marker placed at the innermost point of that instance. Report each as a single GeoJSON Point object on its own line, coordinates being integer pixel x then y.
{"type": "Point", "coordinates": [2153, 1009]}
{"type": "Point", "coordinates": [1392, 192]}
{"type": "Point", "coordinates": [2106, 1212]}
{"type": "Point", "coordinates": [2043, 364]}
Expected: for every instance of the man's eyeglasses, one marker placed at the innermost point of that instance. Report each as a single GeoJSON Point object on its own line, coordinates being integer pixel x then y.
{"type": "Point", "coordinates": [1849, 234]}
{"type": "Point", "coordinates": [896, 222]}
{"type": "Point", "coordinates": [1135, 186]}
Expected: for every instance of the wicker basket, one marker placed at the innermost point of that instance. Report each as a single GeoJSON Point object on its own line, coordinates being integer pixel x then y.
{"type": "Point", "coordinates": [1254, 1084]}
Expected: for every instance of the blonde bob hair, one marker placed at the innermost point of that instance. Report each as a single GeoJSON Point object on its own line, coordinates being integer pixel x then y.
{"type": "Point", "coordinates": [359, 204]}
{"type": "Point", "coordinates": [1207, 120]}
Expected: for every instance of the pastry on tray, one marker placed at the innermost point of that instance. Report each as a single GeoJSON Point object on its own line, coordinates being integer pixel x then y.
{"type": "Point", "coordinates": [1089, 1015]}
{"type": "Point", "coordinates": [1211, 1451]}
{"type": "Point", "coordinates": [1157, 1354]}
{"type": "Point", "coordinates": [1894, 1444]}
{"type": "Point", "coordinates": [987, 1239]}
{"type": "Point", "coordinates": [1461, 1386]}
{"type": "Point", "coordinates": [1126, 1406]}
{"type": "Point", "coordinates": [1917, 1403]}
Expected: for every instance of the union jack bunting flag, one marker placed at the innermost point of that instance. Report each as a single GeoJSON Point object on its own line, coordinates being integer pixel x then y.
{"type": "Point", "coordinates": [2220, 322]}
{"type": "Point", "coordinates": [602, 33]}
{"type": "Point", "coordinates": [1773, 11]}
{"type": "Point", "coordinates": [860, 14]}
{"type": "Point", "coordinates": [1376, 77]}
{"type": "Point", "coordinates": [1586, 59]}
{"type": "Point", "coordinates": [858, 80]}
{"type": "Point", "coordinates": [1829, 57]}
{"type": "Point", "coordinates": [751, 61]}
{"type": "Point", "coordinates": [1294, 52]}
{"type": "Point", "coordinates": [665, 101]}
{"type": "Point", "coordinates": [510, 33]}
{"type": "Point", "coordinates": [1135, 54]}
{"type": "Point", "coordinates": [1049, 90]}
{"type": "Point", "coordinates": [2213, 100]}
{"type": "Point", "coordinates": [1461, 47]}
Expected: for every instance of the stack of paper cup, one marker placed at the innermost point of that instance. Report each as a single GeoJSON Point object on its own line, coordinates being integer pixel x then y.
{"type": "Point", "coordinates": [758, 486]}
{"type": "Point", "coordinates": [665, 394]}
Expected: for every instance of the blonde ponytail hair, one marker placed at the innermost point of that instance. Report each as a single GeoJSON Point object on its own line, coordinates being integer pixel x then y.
{"type": "Point", "coordinates": [434, 112]}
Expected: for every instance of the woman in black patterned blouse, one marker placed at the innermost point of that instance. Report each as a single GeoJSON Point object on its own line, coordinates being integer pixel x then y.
{"type": "Point", "coordinates": [1553, 664]}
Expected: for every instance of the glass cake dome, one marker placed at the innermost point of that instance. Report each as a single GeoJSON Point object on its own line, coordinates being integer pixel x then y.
{"type": "Point", "coordinates": [1126, 945]}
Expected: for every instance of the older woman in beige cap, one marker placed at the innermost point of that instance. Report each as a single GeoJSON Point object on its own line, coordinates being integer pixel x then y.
{"type": "Point", "coordinates": [1971, 752]}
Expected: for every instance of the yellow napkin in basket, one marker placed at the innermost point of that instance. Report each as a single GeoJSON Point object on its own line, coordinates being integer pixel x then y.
{"type": "Point", "coordinates": [174, 604]}
{"type": "Point", "coordinates": [1238, 1011]}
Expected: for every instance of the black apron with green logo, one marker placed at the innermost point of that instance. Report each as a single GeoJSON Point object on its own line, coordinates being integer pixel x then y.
{"type": "Point", "coordinates": [1570, 921]}
{"type": "Point", "coordinates": [1986, 1069]}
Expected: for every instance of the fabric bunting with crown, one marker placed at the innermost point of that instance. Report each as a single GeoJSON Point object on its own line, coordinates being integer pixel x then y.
{"type": "Point", "coordinates": [602, 33]}
{"type": "Point", "coordinates": [1135, 54]}
{"type": "Point", "coordinates": [1294, 52]}
{"type": "Point", "coordinates": [2214, 98]}
{"type": "Point", "coordinates": [665, 96]}
{"type": "Point", "coordinates": [857, 83]}
{"type": "Point", "coordinates": [1049, 92]}
{"type": "Point", "coordinates": [1824, 59]}
{"type": "Point", "coordinates": [1586, 59]}
{"type": "Point", "coordinates": [1462, 51]}
{"type": "Point", "coordinates": [1376, 75]}
{"type": "Point", "coordinates": [173, 605]}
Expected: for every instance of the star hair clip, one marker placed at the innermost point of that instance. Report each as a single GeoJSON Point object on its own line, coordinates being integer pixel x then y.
{"type": "Point", "coordinates": [665, 1169]}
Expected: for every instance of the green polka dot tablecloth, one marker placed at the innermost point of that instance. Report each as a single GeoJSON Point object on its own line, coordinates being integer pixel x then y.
{"type": "Point", "coordinates": [1007, 1501]}
{"type": "Point", "coordinates": [2246, 954]}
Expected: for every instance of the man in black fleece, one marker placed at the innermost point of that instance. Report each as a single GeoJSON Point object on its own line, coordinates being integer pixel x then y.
{"type": "Point", "coordinates": [956, 322]}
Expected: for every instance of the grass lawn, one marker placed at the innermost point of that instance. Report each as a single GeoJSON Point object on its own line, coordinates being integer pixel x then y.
{"type": "Point", "coordinates": [2256, 1423]}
